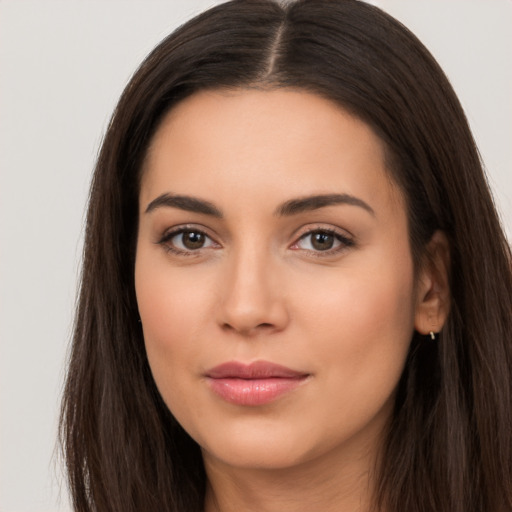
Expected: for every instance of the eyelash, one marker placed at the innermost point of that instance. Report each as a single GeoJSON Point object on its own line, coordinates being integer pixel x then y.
{"type": "Point", "coordinates": [345, 242]}
{"type": "Point", "coordinates": [169, 235]}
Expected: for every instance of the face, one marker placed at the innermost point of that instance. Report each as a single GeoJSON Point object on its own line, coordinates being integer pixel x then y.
{"type": "Point", "coordinates": [274, 277]}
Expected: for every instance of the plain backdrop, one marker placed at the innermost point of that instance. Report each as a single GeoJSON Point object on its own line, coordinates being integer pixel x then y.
{"type": "Point", "coordinates": [63, 64]}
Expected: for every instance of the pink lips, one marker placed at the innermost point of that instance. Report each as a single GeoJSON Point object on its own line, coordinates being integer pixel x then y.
{"type": "Point", "coordinates": [258, 383]}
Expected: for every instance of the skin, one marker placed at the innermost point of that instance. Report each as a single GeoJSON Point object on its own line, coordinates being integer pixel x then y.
{"type": "Point", "coordinates": [258, 289]}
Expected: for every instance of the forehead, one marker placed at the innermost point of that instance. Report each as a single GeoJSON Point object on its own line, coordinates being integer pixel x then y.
{"type": "Point", "coordinates": [270, 143]}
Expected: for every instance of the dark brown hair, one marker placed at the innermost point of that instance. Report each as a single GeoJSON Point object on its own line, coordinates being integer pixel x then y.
{"type": "Point", "coordinates": [449, 445]}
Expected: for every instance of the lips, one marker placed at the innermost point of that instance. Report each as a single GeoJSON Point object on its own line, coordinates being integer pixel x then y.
{"type": "Point", "coordinates": [255, 384]}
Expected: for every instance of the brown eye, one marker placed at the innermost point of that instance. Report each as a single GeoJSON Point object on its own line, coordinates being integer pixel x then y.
{"type": "Point", "coordinates": [192, 239]}
{"type": "Point", "coordinates": [322, 241]}
{"type": "Point", "coordinates": [183, 241]}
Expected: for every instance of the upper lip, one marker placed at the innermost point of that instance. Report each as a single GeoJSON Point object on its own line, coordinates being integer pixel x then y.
{"type": "Point", "coordinates": [255, 370]}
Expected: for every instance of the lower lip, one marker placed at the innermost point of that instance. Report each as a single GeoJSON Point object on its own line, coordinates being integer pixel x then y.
{"type": "Point", "coordinates": [253, 391]}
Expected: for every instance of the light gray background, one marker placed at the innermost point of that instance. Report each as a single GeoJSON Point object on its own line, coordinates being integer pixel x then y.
{"type": "Point", "coordinates": [62, 67]}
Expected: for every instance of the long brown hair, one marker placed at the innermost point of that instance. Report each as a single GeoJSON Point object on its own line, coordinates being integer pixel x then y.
{"type": "Point", "coordinates": [449, 445]}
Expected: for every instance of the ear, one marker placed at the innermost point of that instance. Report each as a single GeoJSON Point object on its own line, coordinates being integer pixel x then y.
{"type": "Point", "coordinates": [433, 286]}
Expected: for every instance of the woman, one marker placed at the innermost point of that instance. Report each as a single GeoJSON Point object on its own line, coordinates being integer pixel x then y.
{"type": "Point", "coordinates": [296, 293]}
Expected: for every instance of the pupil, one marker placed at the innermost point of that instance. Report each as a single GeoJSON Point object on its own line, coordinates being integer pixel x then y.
{"type": "Point", "coordinates": [322, 241]}
{"type": "Point", "coordinates": [193, 240]}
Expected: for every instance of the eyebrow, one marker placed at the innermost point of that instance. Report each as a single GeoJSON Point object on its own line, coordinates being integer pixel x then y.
{"type": "Point", "coordinates": [309, 203]}
{"type": "Point", "coordinates": [291, 207]}
{"type": "Point", "coordinates": [187, 203]}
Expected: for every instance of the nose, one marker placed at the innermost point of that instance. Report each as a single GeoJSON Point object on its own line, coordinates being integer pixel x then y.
{"type": "Point", "coordinates": [252, 298]}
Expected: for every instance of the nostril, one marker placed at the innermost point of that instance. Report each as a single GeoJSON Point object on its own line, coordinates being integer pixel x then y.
{"type": "Point", "coordinates": [265, 326]}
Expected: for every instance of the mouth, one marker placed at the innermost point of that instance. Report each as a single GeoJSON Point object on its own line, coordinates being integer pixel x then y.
{"type": "Point", "coordinates": [258, 383]}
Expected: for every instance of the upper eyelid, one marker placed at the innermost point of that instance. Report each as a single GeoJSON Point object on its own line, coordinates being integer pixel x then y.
{"type": "Point", "coordinates": [175, 230]}
{"type": "Point", "coordinates": [312, 227]}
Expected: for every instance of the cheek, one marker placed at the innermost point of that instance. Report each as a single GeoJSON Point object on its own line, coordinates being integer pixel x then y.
{"type": "Point", "coordinates": [171, 311]}
{"type": "Point", "coordinates": [362, 324]}
{"type": "Point", "coordinates": [379, 304]}
{"type": "Point", "coordinates": [359, 297]}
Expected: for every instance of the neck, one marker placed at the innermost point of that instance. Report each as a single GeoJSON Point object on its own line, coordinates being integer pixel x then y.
{"type": "Point", "coordinates": [323, 484]}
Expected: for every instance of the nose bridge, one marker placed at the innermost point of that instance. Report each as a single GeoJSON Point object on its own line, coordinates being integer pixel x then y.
{"type": "Point", "coordinates": [252, 298]}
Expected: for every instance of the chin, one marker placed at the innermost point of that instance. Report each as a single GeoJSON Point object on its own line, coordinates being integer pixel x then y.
{"type": "Point", "coordinates": [261, 457]}
{"type": "Point", "coordinates": [256, 448]}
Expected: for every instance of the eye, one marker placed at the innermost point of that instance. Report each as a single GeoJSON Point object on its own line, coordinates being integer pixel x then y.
{"type": "Point", "coordinates": [186, 240]}
{"type": "Point", "coordinates": [323, 240]}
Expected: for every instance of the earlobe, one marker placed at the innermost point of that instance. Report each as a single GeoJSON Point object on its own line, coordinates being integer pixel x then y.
{"type": "Point", "coordinates": [433, 287]}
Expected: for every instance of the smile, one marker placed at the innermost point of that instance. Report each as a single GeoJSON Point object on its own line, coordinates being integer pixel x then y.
{"type": "Point", "coordinates": [258, 383]}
